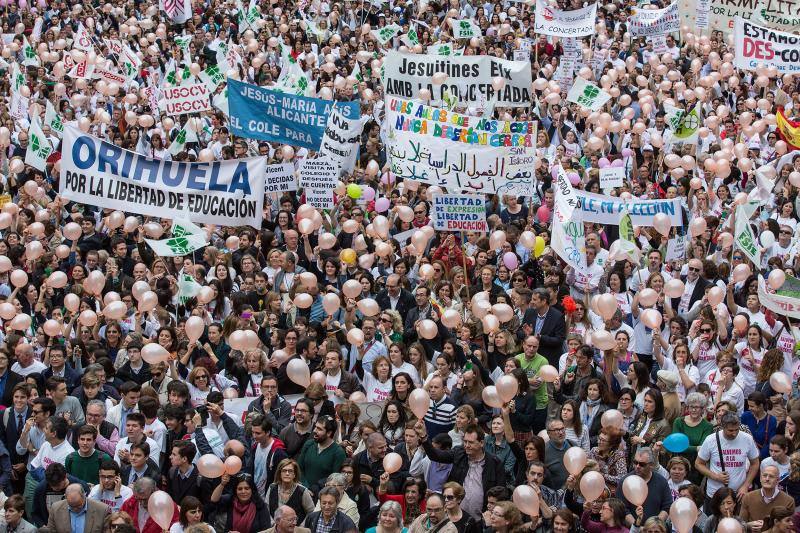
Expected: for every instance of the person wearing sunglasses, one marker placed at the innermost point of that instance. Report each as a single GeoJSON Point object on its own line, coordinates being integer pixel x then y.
{"type": "Point", "coordinates": [434, 518]}
{"type": "Point", "coordinates": [659, 497]}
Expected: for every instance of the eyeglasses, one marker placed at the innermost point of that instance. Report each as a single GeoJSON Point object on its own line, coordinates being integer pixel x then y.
{"type": "Point", "coordinates": [384, 319]}
{"type": "Point", "coordinates": [556, 430]}
{"type": "Point", "coordinates": [706, 330]}
{"type": "Point", "coordinates": [693, 269]}
{"type": "Point", "coordinates": [449, 497]}
{"type": "Point", "coordinates": [641, 463]}
{"type": "Point", "coordinates": [786, 232]}
{"type": "Point", "coordinates": [201, 376]}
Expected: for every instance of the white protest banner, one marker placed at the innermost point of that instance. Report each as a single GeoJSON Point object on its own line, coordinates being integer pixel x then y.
{"type": "Point", "coordinates": [703, 12]}
{"type": "Point", "coordinates": [465, 29]}
{"type": "Point", "coordinates": [459, 212]}
{"type": "Point", "coordinates": [782, 305]}
{"type": "Point", "coordinates": [780, 14]}
{"type": "Point", "coordinates": [611, 177]}
{"type": "Point", "coordinates": [603, 209]}
{"type": "Point", "coordinates": [468, 78]}
{"type": "Point", "coordinates": [646, 22]}
{"type": "Point", "coordinates": [458, 152]}
{"type": "Point", "coordinates": [756, 45]}
{"type": "Point", "coordinates": [575, 23]}
{"type": "Point", "coordinates": [340, 140]}
{"type": "Point", "coordinates": [568, 240]}
{"type": "Point", "coordinates": [676, 248]}
{"type": "Point", "coordinates": [587, 94]}
{"type": "Point", "coordinates": [572, 48]}
{"type": "Point", "coordinates": [522, 55]}
{"type": "Point", "coordinates": [566, 200]}
{"type": "Point", "coordinates": [186, 99]}
{"type": "Point", "coordinates": [318, 178]}
{"type": "Point", "coordinates": [96, 172]}
{"type": "Point", "coordinates": [280, 178]}
{"type": "Point", "coordinates": [177, 246]}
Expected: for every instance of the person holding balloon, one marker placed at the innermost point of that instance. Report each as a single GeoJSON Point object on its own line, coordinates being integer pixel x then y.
{"type": "Point", "coordinates": [239, 509]}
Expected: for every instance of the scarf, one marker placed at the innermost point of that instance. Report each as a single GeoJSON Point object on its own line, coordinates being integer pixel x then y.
{"type": "Point", "coordinates": [587, 418]}
{"type": "Point", "coordinates": [244, 515]}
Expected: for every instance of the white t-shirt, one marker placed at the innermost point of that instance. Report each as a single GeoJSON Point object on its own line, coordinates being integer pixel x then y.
{"type": "Point", "coordinates": [331, 384]}
{"type": "Point", "coordinates": [376, 391]}
{"type": "Point", "coordinates": [691, 371]}
{"type": "Point", "coordinates": [107, 496]}
{"type": "Point", "coordinates": [747, 372]}
{"type": "Point", "coordinates": [125, 444]}
{"type": "Point", "coordinates": [706, 357]}
{"type": "Point", "coordinates": [36, 367]}
{"type": "Point", "coordinates": [738, 454]}
{"type": "Point", "coordinates": [48, 454]}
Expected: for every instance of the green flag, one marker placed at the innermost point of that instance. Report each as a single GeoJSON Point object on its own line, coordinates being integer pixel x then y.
{"type": "Point", "coordinates": [744, 238]}
{"type": "Point", "coordinates": [182, 227]}
{"type": "Point", "coordinates": [177, 246]}
{"type": "Point", "coordinates": [387, 33]}
{"type": "Point", "coordinates": [53, 119]}
{"type": "Point", "coordinates": [39, 148]}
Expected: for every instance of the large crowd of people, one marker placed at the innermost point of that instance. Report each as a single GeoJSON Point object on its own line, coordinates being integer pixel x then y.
{"type": "Point", "coordinates": [366, 372]}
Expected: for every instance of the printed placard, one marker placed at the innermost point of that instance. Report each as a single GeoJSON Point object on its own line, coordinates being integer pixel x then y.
{"type": "Point", "coordinates": [459, 212]}
{"type": "Point", "coordinates": [611, 177]}
{"type": "Point", "coordinates": [318, 179]}
{"type": "Point", "coordinates": [186, 99]}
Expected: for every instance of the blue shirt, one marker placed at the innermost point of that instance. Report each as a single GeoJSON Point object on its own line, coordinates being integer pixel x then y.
{"type": "Point", "coordinates": [78, 520]}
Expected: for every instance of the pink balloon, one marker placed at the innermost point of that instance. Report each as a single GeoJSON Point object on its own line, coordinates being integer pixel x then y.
{"type": "Point", "coordinates": [115, 310]}
{"type": "Point", "coordinates": [674, 288]}
{"type": "Point", "coordinates": [507, 387]}
{"type": "Point", "coordinates": [510, 260]}
{"type": "Point", "coordinates": [19, 278]}
{"type": "Point", "coordinates": [503, 312]}
{"type": "Point", "coordinates": [232, 465]}
{"type": "Point", "coordinates": [543, 214]}
{"type": "Point", "coordinates": [369, 307]}
{"type": "Point", "coordinates": [148, 302]}
{"type": "Point", "coordinates": [331, 303]}
{"type": "Point", "coordinates": [210, 466]}
{"type": "Point", "coordinates": [662, 224]}
{"type": "Point", "coordinates": [88, 318]}
{"type": "Point", "coordinates": [603, 340]}
{"type": "Point", "coordinates": [607, 305]}
{"type": "Point", "coordinates": [526, 500]}
{"type": "Point", "coordinates": [298, 372]}
{"type": "Point", "coordinates": [194, 328]}
{"type": "Point", "coordinates": [161, 508]}
{"type": "Point", "coordinates": [355, 337]}
{"type": "Point", "coordinates": [392, 462]}
{"type": "Point", "coordinates": [451, 318]}
{"type": "Point", "coordinates": [57, 280]}
{"type": "Point", "coordinates": [72, 302]}
{"type": "Point", "coordinates": [592, 485]}
{"type": "Point", "coordinates": [635, 490]}
{"type": "Point", "coordinates": [491, 324]}
{"type": "Point", "coordinates": [491, 397]}
{"type": "Point", "coordinates": [683, 514]}
{"type": "Point", "coordinates": [382, 205]}
{"type": "Point", "coordinates": [358, 397]}
{"type": "Point", "coordinates": [20, 322]}
{"type": "Point", "coordinates": [427, 329]}
{"type": "Point", "coordinates": [237, 340]}
{"type": "Point", "coordinates": [776, 278]}
{"type": "Point", "coordinates": [72, 231]}
{"type": "Point", "coordinates": [741, 272]}
{"type": "Point", "coordinates": [729, 525]}
{"type": "Point", "coordinates": [7, 311]}
{"type": "Point", "coordinates": [139, 288]}
{"type": "Point", "coordinates": [648, 297]}
{"type": "Point", "coordinates": [303, 300]}
{"type": "Point", "coordinates": [419, 401]}
{"type": "Point", "coordinates": [651, 318]}
{"type": "Point", "coordinates": [574, 460]}
{"type": "Point", "coordinates": [154, 353]}
{"type": "Point", "coordinates": [715, 296]}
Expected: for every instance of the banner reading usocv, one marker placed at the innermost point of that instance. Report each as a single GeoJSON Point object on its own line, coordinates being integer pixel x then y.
{"type": "Point", "coordinates": [756, 45]}
{"type": "Point", "coordinates": [269, 115]}
{"type": "Point", "coordinates": [96, 172]}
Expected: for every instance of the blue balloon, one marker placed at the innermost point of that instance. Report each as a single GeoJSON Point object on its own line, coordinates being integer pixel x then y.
{"type": "Point", "coordinates": [676, 443]}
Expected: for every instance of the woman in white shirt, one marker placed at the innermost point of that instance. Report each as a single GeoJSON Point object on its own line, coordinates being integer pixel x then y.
{"type": "Point", "coordinates": [378, 383]}
{"type": "Point", "coordinates": [576, 433]}
{"type": "Point", "coordinates": [749, 354]}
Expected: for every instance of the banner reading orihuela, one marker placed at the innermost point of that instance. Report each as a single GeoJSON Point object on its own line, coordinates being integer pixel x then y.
{"type": "Point", "coordinates": [756, 45]}
{"type": "Point", "coordinates": [269, 115]}
{"type": "Point", "coordinates": [455, 151]}
{"type": "Point", "coordinates": [469, 78]}
{"type": "Point", "coordinates": [96, 172]}
{"type": "Point", "coordinates": [575, 23]}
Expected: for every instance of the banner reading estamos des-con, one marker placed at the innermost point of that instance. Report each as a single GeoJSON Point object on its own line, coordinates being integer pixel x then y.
{"type": "Point", "coordinates": [469, 78]}
{"type": "Point", "coordinates": [96, 172]}
{"type": "Point", "coordinates": [756, 45]}
{"type": "Point", "coordinates": [269, 115]}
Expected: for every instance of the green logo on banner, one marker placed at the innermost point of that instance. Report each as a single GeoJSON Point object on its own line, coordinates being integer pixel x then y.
{"type": "Point", "coordinates": [179, 245]}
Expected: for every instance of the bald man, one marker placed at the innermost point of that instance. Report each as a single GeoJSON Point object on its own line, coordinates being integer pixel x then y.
{"type": "Point", "coordinates": [694, 288]}
{"type": "Point", "coordinates": [26, 364]}
{"type": "Point", "coordinates": [76, 513]}
{"type": "Point", "coordinates": [285, 520]}
{"type": "Point", "coordinates": [395, 297]}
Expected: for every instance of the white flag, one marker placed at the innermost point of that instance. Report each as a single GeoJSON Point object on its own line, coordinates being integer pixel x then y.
{"type": "Point", "coordinates": [569, 242]}
{"type": "Point", "coordinates": [565, 198]}
{"type": "Point", "coordinates": [465, 29]}
{"type": "Point", "coordinates": [176, 246]}
{"type": "Point", "coordinates": [39, 148]}
{"type": "Point", "coordinates": [178, 11]}
{"type": "Point", "coordinates": [587, 94]}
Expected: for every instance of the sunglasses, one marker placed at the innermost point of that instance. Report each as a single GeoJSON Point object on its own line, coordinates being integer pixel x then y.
{"type": "Point", "coordinates": [706, 330]}
{"type": "Point", "coordinates": [641, 463]}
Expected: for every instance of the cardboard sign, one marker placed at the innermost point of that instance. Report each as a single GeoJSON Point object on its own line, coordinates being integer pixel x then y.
{"type": "Point", "coordinates": [459, 212]}
{"type": "Point", "coordinates": [186, 99]}
{"type": "Point", "coordinates": [611, 177]}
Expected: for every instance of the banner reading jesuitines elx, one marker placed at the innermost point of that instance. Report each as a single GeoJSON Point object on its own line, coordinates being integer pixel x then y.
{"type": "Point", "coordinates": [469, 78]}
{"type": "Point", "coordinates": [270, 115]}
{"type": "Point", "coordinates": [756, 45]}
{"type": "Point", "coordinates": [97, 172]}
